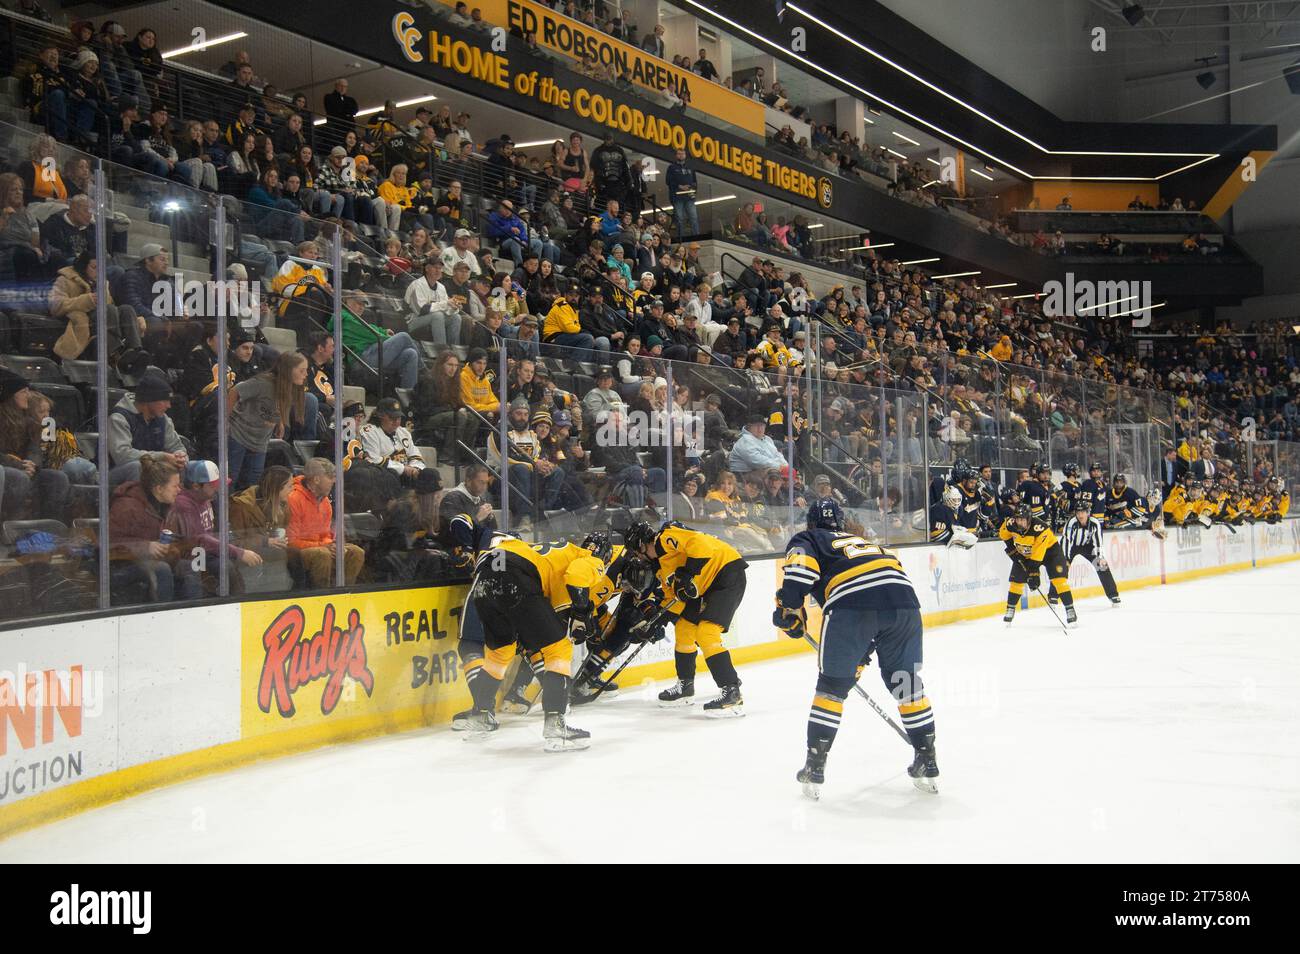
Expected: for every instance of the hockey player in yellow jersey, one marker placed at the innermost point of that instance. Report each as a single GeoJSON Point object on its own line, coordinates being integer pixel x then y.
{"type": "Point", "coordinates": [703, 581]}
{"type": "Point", "coordinates": [1031, 544]}
{"type": "Point", "coordinates": [1187, 504]}
{"type": "Point", "coordinates": [527, 594]}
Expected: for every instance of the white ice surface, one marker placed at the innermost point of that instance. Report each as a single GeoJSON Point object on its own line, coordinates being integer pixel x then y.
{"type": "Point", "coordinates": [1164, 731]}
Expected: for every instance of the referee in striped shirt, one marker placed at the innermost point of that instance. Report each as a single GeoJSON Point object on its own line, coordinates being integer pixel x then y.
{"type": "Point", "coordinates": [1082, 537]}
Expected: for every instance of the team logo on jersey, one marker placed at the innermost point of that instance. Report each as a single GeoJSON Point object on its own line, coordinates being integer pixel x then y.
{"type": "Point", "coordinates": [332, 653]}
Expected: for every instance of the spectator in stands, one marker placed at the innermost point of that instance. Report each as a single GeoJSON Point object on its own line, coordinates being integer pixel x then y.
{"type": "Point", "coordinates": [20, 237]}
{"type": "Point", "coordinates": [387, 443]}
{"type": "Point", "coordinates": [139, 427]}
{"type": "Point", "coordinates": [28, 480]}
{"type": "Point", "coordinates": [754, 450]}
{"type": "Point", "coordinates": [128, 141]}
{"type": "Point", "coordinates": [147, 58]}
{"type": "Point", "coordinates": [73, 298]}
{"type": "Point", "coordinates": [400, 353]}
{"type": "Point", "coordinates": [194, 526]}
{"type": "Point", "coordinates": [340, 110]}
{"type": "Point", "coordinates": [439, 411]}
{"type": "Point", "coordinates": [510, 232]}
{"type": "Point", "coordinates": [57, 447]}
{"type": "Point", "coordinates": [562, 327]}
{"type": "Point", "coordinates": [682, 188]}
{"type": "Point", "coordinates": [136, 517]}
{"type": "Point", "coordinates": [261, 408]}
{"type": "Point", "coordinates": [259, 516]}
{"type": "Point", "coordinates": [476, 388]}
{"type": "Point", "coordinates": [311, 527]}
{"type": "Point", "coordinates": [41, 179]}
{"type": "Point", "coordinates": [193, 150]}
{"type": "Point", "coordinates": [397, 196]}
{"type": "Point", "coordinates": [136, 287]}
{"type": "Point", "coordinates": [575, 167]}
{"type": "Point", "coordinates": [433, 314]}
{"type": "Point", "coordinates": [274, 215]}
{"type": "Point", "coordinates": [45, 92]}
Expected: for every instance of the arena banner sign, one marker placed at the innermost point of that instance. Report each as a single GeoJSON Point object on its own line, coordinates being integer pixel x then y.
{"type": "Point", "coordinates": [577, 40]}
{"type": "Point", "coordinates": [350, 658]}
{"type": "Point", "coordinates": [606, 108]}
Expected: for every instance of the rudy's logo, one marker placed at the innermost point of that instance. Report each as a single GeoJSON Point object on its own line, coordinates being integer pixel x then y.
{"type": "Point", "coordinates": [825, 192]}
{"type": "Point", "coordinates": [1088, 299]}
{"type": "Point", "coordinates": [332, 654]}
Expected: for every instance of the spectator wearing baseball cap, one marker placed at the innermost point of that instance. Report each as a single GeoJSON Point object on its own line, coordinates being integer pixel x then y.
{"type": "Point", "coordinates": [388, 444]}
{"type": "Point", "coordinates": [193, 523]}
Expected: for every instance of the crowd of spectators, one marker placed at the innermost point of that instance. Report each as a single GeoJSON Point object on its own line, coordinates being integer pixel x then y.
{"type": "Point", "coordinates": [585, 298]}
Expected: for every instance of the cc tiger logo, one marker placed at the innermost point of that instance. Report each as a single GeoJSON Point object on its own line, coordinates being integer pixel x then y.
{"type": "Point", "coordinates": [825, 192]}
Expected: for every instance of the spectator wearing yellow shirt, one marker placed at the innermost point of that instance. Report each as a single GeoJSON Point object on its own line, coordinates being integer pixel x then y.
{"type": "Point", "coordinates": [397, 196]}
{"type": "Point", "coordinates": [476, 387]}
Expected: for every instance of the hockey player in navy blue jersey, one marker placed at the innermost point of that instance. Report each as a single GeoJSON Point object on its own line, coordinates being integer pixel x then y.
{"type": "Point", "coordinates": [868, 605]}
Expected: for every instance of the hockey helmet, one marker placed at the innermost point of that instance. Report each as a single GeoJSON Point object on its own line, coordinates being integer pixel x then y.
{"type": "Point", "coordinates": [599, 544]}
{"type": "Point", "coordinates": [1024, 513]}
{"type": "Point", "coordinates": [1119, 480]}
{"type": "Point", "coordinates": [952, 497]}
{"type": "Point", "coordinates": [636, 536]}
{"type": "Point", "coordinates": [1070, 470]}
{"type": "Point", "coordinates": [1096, 468]}
{"type": "Point", "coordinates": [961, 469]}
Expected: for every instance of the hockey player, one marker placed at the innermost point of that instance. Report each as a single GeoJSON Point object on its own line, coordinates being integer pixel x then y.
{"type": "Point", "coordinates": [703, 580]}
{"type": "Point", "coordinates": [1093, 490]}
{"type": "Point", "coordinates": [868, 605]}
{"type": "Point", "coordinates": [1124, 508]}
{"type": "Point", "coordinates": [1067, 495]}
{"type": "Point", "coordinates": [636, 618]}
{"type": "Point", "coordinates": [1187, 505]}
{"type": "Point", "coordinates": [966, 481]}
{"type": "Point", "coordinates": [524, 594]}
{"type": "Point", "coordinates": [1031, 544]}
{"type": "Point", "coordinates": [824, 503]}
{"type": "Point", "coordinates": [1082, 538]}
{"type": "Point", "coordinates": [1277, 501]}
{"type": "Point", "coordinates": [1036, 492]}
{"type": "Point", "coordinates": [944, 527]}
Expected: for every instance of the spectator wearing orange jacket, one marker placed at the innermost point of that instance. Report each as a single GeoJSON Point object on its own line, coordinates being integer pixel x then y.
{"type": "Point", "coordinates": [1002, 350]}
{"type": "Point", "coordinates": [311, 527]}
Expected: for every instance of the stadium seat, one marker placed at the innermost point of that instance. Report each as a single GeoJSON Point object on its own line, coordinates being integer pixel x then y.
{"type": "Point", "coordinates": [36, 369]}
{"type": "Point", "coordinates": [69, 406]}
{"type": "Point", "coordinates": [281, 339]}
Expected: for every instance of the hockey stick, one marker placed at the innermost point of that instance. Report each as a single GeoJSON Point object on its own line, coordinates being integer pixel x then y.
{"type": "Point", "coordinates": [659, 617]}
{"type": "Point", "coordinates": [863, 693]}
{"type": "Point", "coordinates": [1065, 629]}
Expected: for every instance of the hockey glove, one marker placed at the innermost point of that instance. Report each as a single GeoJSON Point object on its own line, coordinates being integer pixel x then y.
{"type": "Point", "coordinates": [792, 621]}
{"type": "Point", "coordinates": [684, 587]}
{"type": "Point", "coordinates": [582, 625]}
{"type": "Point", "coordinates": [1034, 579]}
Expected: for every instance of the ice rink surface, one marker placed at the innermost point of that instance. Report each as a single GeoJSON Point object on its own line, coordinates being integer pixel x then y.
{"type": "Point", "coordinates": [1167, 730]}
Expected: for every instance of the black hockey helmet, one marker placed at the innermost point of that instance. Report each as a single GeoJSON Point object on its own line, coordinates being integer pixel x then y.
{"type": "Point", "coordinates": [1070, 470]}
{"type": "Point", "coordinates": [599, 544]}
{"type": "Point", "coordinates": [1023, 512]}
{"type": "Point", "coordinates": [1119, 480]}
{"type": "Point", "coordinates": [1095, 467]}
{"type": "Point", "coordinates": [1040, 468]}
{"type": "Point", "coordinates": [961, 469]}
{"type": "Point", "coordinates": [638, 535]}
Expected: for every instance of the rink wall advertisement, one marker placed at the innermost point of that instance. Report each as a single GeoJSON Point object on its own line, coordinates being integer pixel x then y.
{"type": "Point", "coordinates": [101, 709]}
{"type": "Point", "coordinates": [339, 663]}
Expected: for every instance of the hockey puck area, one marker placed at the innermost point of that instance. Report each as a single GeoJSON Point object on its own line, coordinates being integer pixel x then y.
{"type": "Point", "coordinates": [1162, 729]}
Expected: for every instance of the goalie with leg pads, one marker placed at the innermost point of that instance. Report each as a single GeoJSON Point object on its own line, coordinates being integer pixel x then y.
{"type": "Point", "coordinates": [944, 526]}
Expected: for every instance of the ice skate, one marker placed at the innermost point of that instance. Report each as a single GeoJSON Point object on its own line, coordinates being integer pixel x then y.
{"type": "Point", "coordinates": [729, 705]}
{"type": "Point", "coordinates": [478, 723]}
{"type": "Point", "coordinates": [677, 695]}
{"type": "Point", "coordinates": [924, 769]}
{"type": "Point", "coordinates": [813, 773]}
{"type": "Point", "coordinates": [515, 703]}
{"type": "Point", "coordinates": [559, 736]}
